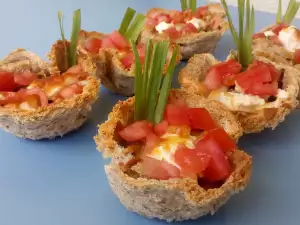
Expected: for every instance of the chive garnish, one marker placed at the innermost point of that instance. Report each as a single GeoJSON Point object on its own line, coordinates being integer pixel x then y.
{"type": "Point", "coordinates": [279, 12]}
{"type": "Point", "coordinates": [131, 28]}
{"type": "Point", "coordinates": [189, 4]}
{"type": "Point", "coordinates": [151, 88]}
{"type": "Point", "coordinates": [291, 11]}
{"type": "Point", "coordinates": [71, 51]}
{"type": "Point", "coordinates": [243, 41]}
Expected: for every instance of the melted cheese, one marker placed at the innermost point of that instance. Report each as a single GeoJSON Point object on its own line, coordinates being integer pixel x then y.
{"type": "Point", "coordinates": [290, 38]}
{"type": "Point", "coordinates": [166, 148]}
{"type": "Point", "coordinates": [163, 26]}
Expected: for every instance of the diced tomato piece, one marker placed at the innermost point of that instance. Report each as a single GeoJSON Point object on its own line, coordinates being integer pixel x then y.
{"type": "Point", "coordinates": [201, 11]}
{"type": "Point", "coordinates": [260, 89]}
{"type": "Point", "coordinates": [161, 128]}
{"type": "Point", "coordinates": [226, 143]}
{"type": "Point", "coordinates": [177, 115]}
{"type": "Point", "coordinates": [216, 73]}
{"type": "Point", "coordinates": [258, 35]}
{"type": "Point", "coordinates": [278, 27]}
{"type": "Point", "coordinates": [275, 74]}
{"type": "Point", "coordinates": [128, 60]}
{"type": "Point", "coordinates": [74, 69]}
{"type": "Point", "coordinates": [7, 82]}
{"type": "Point", "coordinates": [158, 169]}
{"type": "Point", "coordinates": [172, 33]}
{"type": "Point", "coordinates": [275, 39]}
{"type": "Point", "coordinates": [200, 119]}
{"type": "Point", "coordinates": [218, 168]}
{"type": "Point", "coordinates": [229, 80]}
{"type": "Point", "coordinates": [24, 78]}
{"type": "Point", "coordinates": [189, 28]}
{"type": "Point", "coordinates": [297, 56]}
{"type": "Point", "coordinates": [150, 23]}
{"type": "Point", "coordinates": [151, 141]}
{"type": "Point", "coordinates": [136, 131]}
{"type": "Point", "coordinates": [108, 43]}
{"type": "Point", "coordinates": [9, 97]}
{"type": "Point", "coordinates": [35, 91]}
{"type": "Point", "coordinates": [93, 45]}
{"type": "Point", "coordinates": [177, 17]}
{"type": "Point", "coordinates": [163, 18]}
{"type": "Point", "coordinates": [119, 41]}
{"type": "Point", "coordinates": [191, 160]}
{"type": "Point", "coordinates": [70, 91]}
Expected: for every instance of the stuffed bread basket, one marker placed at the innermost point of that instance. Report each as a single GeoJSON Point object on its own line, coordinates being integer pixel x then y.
{"type": "Point", "coordinates": [38, 102]}
{"type": "Point", "coordinates": [195, 32]}
{"type": "Point", "coordinates": [145, 188]}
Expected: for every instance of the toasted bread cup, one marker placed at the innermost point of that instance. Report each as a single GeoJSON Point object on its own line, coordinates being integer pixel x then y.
{"type": "Point", "coordinates": [55, 119]}
{"type": "Point", "coordinates": [190, 44]}
{"type": "Point", "coordinates": [174, 199]}
{"type": "Point", "coordinates": [252, 121]}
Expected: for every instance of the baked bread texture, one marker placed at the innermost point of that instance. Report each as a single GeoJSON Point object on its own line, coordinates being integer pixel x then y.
{"type": "Point", "coordinates": [174, 199]}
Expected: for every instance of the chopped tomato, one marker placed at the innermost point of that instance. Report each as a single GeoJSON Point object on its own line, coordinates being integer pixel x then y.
{"type": "Point", "coordinates": [9, 97]}
{"type": "Point", "coordinates": [136, 131]}
{"type": "Point", "coordinates": [201, 11]}
{"type": "Point", "coordinates": [216, 73]}
{"type": "Point", "coordinates": [191, 160]}
{"type": "Point", "coordinates": [177, 115]}
{"type": "Point", "coordinates": [24, 78]}
{"type": "Point", "coordinates": [118, 40]}
{"type": "Point", "coordinates": [108, 43]}
{"type": "Point", "coordinates": [278, 27]}
{"type": "Point", "coordinates": [189, 28]}
{"type": "Point", "coordinates": [35, 91]}
{"type": "Point", "coordinates": [158, 169]}
{"type": "Point", "coordinates": [297, 56]}
{"type": "Point", "coordinates": [93, 45]}
{"type": "Point", "coordinates": [177, 17]}
{"type": "Point", "coordinates": [70, 91]}
{"type": "Point", "coordinates": [163, 18]}
{"type": "Point", "coordinates": [187, 15]}
{"type": "Point", "coordinates": [161, 128]}
{"type": "Point", "coordinates": [151, 141]}
{"type": "Point", "coordinates": [275, 39]}
{"type": "Point", "coordinates": [275, 74]}
{"type": "Point", "coordinates": [128, 60]}
{"type": "Point", "coordinates": [258, 35]}
{"type": "Point", "coordinates": [218, 168]}
{"type": "Point", "coordinates": [172, 33]}
{"type": "Point", "coordinates": [74, 69]}
{"type": "Point", "coordinates": [7, 82]}
{"type": "Point", "coordinates": [222, 138]}
{"type": "Point", "coordinates": [268, 89]}
{"type": "Point", "coordinates": [200, 119]}
{"type": "Point", "coordinates": [150, 23]}
{"type": "Point", "coordinates": [229, 80]}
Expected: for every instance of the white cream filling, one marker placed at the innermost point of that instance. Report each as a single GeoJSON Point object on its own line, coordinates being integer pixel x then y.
{"type": "Point", "coordinates": [290, 38]}
{"type": "Point", "coordinates": [163, 26]}
{"type": "Point", "coordinates": [198, 23]}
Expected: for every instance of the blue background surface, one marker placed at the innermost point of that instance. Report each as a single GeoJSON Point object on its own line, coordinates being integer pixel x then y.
{"type": "Point", "coordinates": [62, 182]}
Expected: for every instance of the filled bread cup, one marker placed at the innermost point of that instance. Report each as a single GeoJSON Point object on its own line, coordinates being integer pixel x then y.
{"type": "Point", "coordinates": [196, 30]}
{"type": "Point", "coordinates": [174, 158]}
{"type": "Point", "coordinates": [258, 91]}
{"type": "Point", "coordinates": [37, 101]}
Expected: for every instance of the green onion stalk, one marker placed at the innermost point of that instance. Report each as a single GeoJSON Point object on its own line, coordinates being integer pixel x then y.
{"type": "Point", "coordinates": [151, 87]}
{"type": "Point", "coordinates": [290, 13]}
{"type": "Point", "coordinates": [243, 39]}
{"type": "Point", "coordinates": [189, 4]}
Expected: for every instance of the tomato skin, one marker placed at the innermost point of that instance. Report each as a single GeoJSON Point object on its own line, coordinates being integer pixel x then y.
{"type": "Point", "coordinates": [70, 90]}
{"type": "Point", "coordinates": [9, 97]}
{"type": "Point", "coordinates": [258, 35]}
{"type": "Point", "coordinates": [161, 128]}
{"type": "Point", "coordinates": [201, 119]}
{"type": "Point", "coordinates": [172, 33]}
{"type": "Point", "coordinates": [191, 161]}
{"type": "Point", "coordinates": [222, 138]}
{"type": "Point", "coordinates": [118, 40]}
{"type": "Point", "coordinates": [93, 45]}
{"type": "Point", "coordinates": [177, 115]}
{"type": "Point", "coordinates": [24, 78]}
{"type": "Point", "coordinates": [7, 82]}
{"type": "Point", "coordinates": [136, 131]}
{"type": "Point", "coordinates": [108, 43]}
{"type": "Point", "coordinates": [297, 56]}
{"type": "Point", "coordinates": [219, 167]}
{"type": "Point", "coordinates": [158, 169]}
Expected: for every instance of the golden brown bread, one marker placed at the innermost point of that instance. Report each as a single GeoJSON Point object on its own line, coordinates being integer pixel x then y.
{"type": "Point", "coordinates": [173, 199]}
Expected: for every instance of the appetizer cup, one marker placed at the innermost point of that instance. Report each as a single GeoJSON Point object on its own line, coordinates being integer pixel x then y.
{"type": "Point", "coordinates": [194, 30]}
{"type": "Point", "coordinates": [155, 182]}
{"type": "Point", "coordinates": [36, 103]}
{"type": "Point", "coordinates": [256, 106]}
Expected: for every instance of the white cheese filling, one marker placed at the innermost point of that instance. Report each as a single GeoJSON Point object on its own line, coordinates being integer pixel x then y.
{"type": "Point", "coordinates": [198, 23]}
{"type": "Point", "coordinates": [290, 38]}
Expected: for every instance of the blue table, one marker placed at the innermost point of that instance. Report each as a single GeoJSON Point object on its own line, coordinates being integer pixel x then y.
{"type": "Point", "coordinates": [62, 182]}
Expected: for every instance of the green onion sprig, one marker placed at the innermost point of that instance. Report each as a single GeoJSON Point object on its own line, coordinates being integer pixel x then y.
{"type": "Point", "coordinates": [71, 51]}
{"type": "Point", "coordinates": [290, 13]}
{"type": "Point", "coordinates": [243, 39]}
{"type": "Point", "coordinates": [151, 87]}
{"type": "Point", "coordinates": [189, 4]}
{"type": "Point", "coordinates": [131, 28]}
